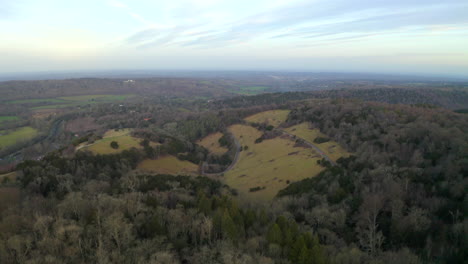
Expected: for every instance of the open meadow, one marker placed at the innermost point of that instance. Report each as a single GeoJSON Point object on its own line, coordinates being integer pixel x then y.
{"type": "Point", "coordinates": [271, 117]}
{"type": "Point", "coordinates": [11, 137]}
{"type": "Point", "coordinates": [122, 137]}
{"type": "Point", "coordinates": [211, 143]}
{"type": "Point", "coordinates": [68, 101]}
{"type": "Point", "coordinates": [267, 167]}
{"type": "Point", "coordinates": [8, 118]}
{"type": "Point", "coordinates": [168, 165]}
{"type": "Point", "coordinates": [331, 148]}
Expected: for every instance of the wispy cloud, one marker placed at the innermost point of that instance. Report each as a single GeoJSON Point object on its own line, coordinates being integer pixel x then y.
{"type": "Point", "coordinates": [342, 19]}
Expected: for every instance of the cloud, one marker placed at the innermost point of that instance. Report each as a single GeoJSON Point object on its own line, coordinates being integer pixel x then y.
{"type": "Point", "coordinates": [310, 20]}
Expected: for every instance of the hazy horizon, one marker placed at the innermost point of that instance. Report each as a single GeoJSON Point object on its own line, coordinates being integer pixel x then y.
{"type": "Point", "coordinates": [395, 37]}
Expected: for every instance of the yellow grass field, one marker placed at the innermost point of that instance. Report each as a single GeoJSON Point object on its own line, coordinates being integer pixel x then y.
{"type": "Point", "coordinates": [268, 164]}
{"type": "Point", "coordinates": [331, 148]}
{"type": "Point", "coordinates": [103, 146]}
{"type": "Point", "coordinates": [11, 176]}
{"type": "Point", "coordinates": [211, 143]}
{"type": "Point", "coordinates": [11, 137]}
{"type": "Point", "coordinates": [168, 165]}
{"type": "Point", "coordinates": [117, 133]}
{"type": "Point", "coordinates": [122, 137]}
{"type": "Point", "coordinates": [272, 117]}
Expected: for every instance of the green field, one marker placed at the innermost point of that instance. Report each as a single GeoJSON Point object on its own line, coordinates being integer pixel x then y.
{"type": "Point", "coordinates": [306, 132]}
{"type": "Point", "coordinates": [272, 117]}
{"type": "Point", "coordinates": [249, 90]}
{"type": "Point", "coordinates": [8, 118]}
{"type": "Point", "coordinates": [51, 106]}
{"type": "Point", "coordinates": [97, 98]}
{"type": "Point", "coordinates": [168, 165]}
{"type": "Point", "coordinates": [269, 165]}
{"type": "Point", "coordinates": [69, 101]}
{"type": "Point", "coordinates": [37, 101]}
{"type": "Point", "coordinates": [11, 137]}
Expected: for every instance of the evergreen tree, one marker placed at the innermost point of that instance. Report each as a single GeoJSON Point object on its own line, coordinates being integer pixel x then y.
{"type": "Point", "coordinates": [204, 205]}
{"type": "Point", "coordinates": [317, 254]}
{"type": "Point", "coordinates": [304, 255]}
{"type": "Point", "coordinates": [229, 227]}
{"type": "Point", "coordinates": [296, 249]}
{"type": "Point", "coordinates": [218, 224]}
{"type": "Point", "coordinates": [274, 234]}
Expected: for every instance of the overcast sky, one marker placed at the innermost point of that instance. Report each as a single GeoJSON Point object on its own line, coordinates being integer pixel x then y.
{"type": "Point", "coordinates": [394, 36]}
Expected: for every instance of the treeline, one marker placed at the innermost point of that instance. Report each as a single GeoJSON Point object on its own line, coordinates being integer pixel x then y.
{"type": "Point", "coordinates": [448, 98]}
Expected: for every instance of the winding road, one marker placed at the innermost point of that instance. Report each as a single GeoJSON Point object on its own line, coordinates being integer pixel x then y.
{"type": "Point", "coordinates": [234, 161]}
{"type": "Point", "coordinates": [310, 144]}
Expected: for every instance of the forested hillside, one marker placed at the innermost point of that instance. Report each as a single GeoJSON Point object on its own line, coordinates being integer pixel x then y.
{"type": "Point", "coordinates": [397, 196]}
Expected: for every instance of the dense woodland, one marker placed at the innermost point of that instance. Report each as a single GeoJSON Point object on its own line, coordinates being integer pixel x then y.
{"type": "Point", "coordinates": [401, 197]}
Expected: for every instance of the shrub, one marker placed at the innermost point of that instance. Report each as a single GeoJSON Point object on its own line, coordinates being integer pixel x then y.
{"type": "Point", "coordinates": [114, 145]}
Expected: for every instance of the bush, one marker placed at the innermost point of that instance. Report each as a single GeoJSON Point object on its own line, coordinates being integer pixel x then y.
{"type": "Point", "coordinates": [114, 145]}
{"type": "Point", "coordinates": [256, 189]}
{"type": "Point", "coordinates": [319, 140]}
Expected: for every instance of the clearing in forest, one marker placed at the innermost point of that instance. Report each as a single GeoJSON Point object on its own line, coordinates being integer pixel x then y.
{"type": "Point", "coordinates": [122, 137]}
{"type": "Point", "coordinates": [11, 137]}
{"type": "Point", "coordinates": [305, 131]}
{"type": "Point", "coordinates": [168, 165]}
{"type": "Point", "coordinates": [271, 117]}
{"type": "Point", "coordinates": [265, 168]}
{"type": "Point", "coordinates": [211, 142]}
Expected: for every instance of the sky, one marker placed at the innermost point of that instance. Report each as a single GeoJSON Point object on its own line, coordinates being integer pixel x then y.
{"type": "Point", "coordinates": [383, 36]}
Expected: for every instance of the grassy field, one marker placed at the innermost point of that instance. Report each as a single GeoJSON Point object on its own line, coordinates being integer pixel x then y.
{"type": "Point", "coordinates": [51, 106]}
{"type": "Point", "coordinates": [269, 165]}
{"type": "Point", "coordinates": [37, 101]}
{"type": "Point", "coordinates": [249, 90]}
{"type": "Point", "coordinates": [11, 137]}
{"type": "Point", "coordinates": [10, 176]}
{"type": "Point", "coordinates": [331, 148]}
{"type": "Point", "coordinates": [122, 137]}
{"type": "Point", "coordinates": [168, 165]}
{"type": "Point", "coordinates": [272, 117]}
{"type": "Point", "coordinates": [96, 98]}
{"type": "Point", "coordinates": [211, 143]}
{"type": "Point", "coordinates": [8, 118]}
{"type": "Point", "coordinates": [69, 101]}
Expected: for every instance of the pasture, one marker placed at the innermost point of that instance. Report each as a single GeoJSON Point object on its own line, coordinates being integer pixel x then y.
{"type": "Point", "coordinates": [249, 90]}
{"type": "Point", "coordinates": [8, 118]}
{"type": "Point", "coordinates": [11, 137]}
{"type": "Point", "coordinates": [168, 165]}
{"type": "Point", "coordinates": [69, 101]}
{"type": "Point", "coordinates": [211, 143]}
{"type": "Point", "coordinates": [122, 137]}
{"type": "Point", "coordinates": [306, 132]}
{"type": "Point", "coordinates": [271, 117]}
{"type": "Point", "coordinates": [269, 166]}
